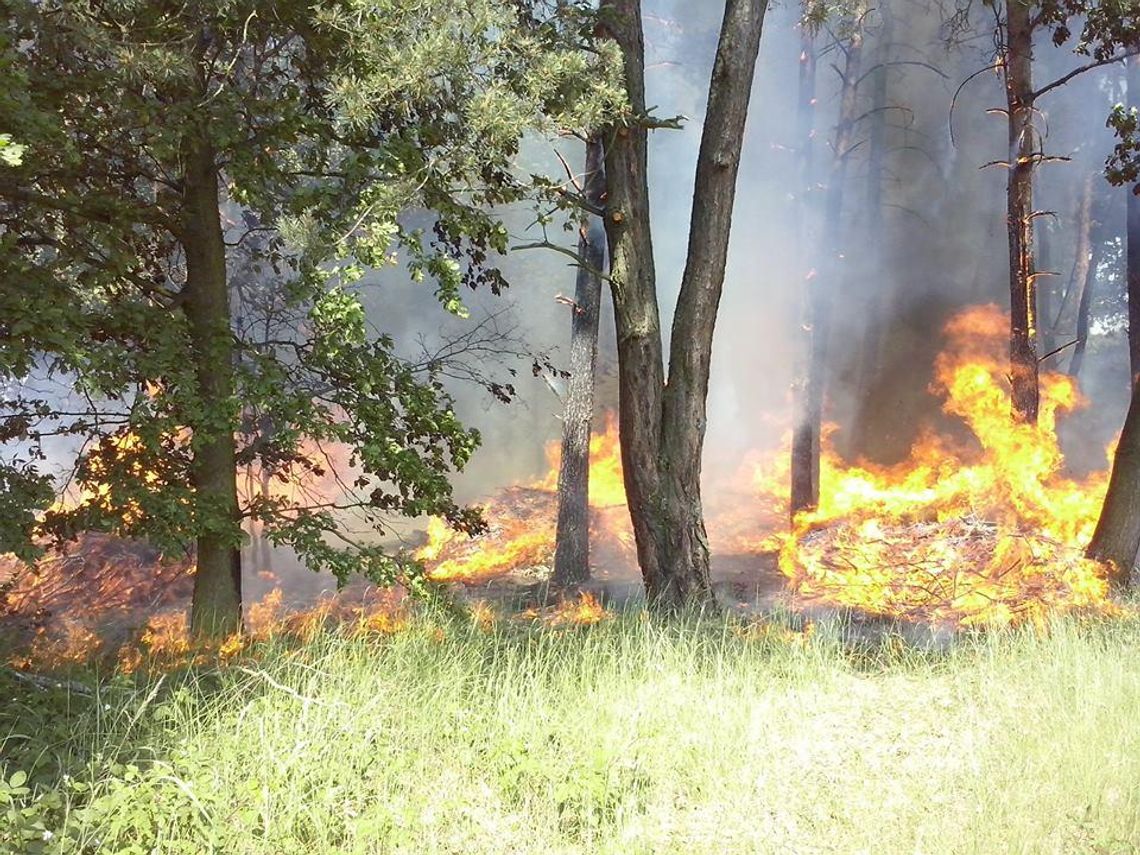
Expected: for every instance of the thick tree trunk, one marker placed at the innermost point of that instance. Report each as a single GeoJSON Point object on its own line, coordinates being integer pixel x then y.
{"type": "Point", "coordinates": [821, 291]}
{"type": "Point", "coordinates": [663, 426]}
{"type": "Point", "coordinates": [1117, 535]}
{"type": "Point", "coordinates": [572, 541]}
{"type": "Point", "coordinates": [633, 282]}
{"type": "Point", "coordinates": [216, 604]}
{"type": "Point", "coordinates": [694, 322]}
{"type": "Point", "coordinates": [1022, 157]}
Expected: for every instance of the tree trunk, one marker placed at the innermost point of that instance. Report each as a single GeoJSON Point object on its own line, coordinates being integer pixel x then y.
{"type": "Point", "coordinates": [1022, 156]}
{"type": "Point", "coordinates": [871, 350]}
{"type": "Point", "coordinates": [216, 604]}
{"type": "Point", "coordinates": [1080, 279]}
{"type": "Point", "coordinates": [1132, 231]}
{"type": "Point", "coordinates": [663, 426]}
{"type": "Point", "coordinates": [1084, 305]}
{"type": "Point", "coordinates": [572, 541]}
{"type": "Point", "coordinates": [804, 488]}
{"type": "Point", "coordinates": [821, 291]}
{"type": "Point", "coordinates": [1117, 536]}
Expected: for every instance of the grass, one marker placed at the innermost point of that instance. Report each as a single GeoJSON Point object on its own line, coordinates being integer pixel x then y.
{"type": "Point", "coordinates": [624, 737]}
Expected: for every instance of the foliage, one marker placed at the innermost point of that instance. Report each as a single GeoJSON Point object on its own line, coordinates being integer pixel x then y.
{"type": "Point", "coordinates": [329, 123]}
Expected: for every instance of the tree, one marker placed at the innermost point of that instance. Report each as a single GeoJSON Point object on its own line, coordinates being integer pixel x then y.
{"type": "Point", "coordinates": [663, 423]}
{"type": "Point", "coordinates": [572, 534]}
{"type": "Point", "coordinates": [819, 290]}
{"type": "Point", "coordinates": [321, 125]}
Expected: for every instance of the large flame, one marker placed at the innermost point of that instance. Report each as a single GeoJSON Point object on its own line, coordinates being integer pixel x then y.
{"type": "Point", "coordinates": [982, 532]}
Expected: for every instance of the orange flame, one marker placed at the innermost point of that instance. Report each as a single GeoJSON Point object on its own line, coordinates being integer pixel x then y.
{"type": "Point", "coordinates": [990, 534]}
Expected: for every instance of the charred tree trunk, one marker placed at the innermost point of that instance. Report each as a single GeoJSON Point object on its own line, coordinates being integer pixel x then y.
{"type": "Point", "coordinates": [572, 541]}
{"type": "Point", "coordinates": [1117, 536]}
{"type": "Point", "coordinates": [663, 426]}
{"type": "Point", "coordinates": [1022, 157]}
{"type": "Point", "coordinates": [821, 292]}
{"type": "Point", "coordinates": [804, 486]}
{"type": "Point", "coordinates": [216, 605]}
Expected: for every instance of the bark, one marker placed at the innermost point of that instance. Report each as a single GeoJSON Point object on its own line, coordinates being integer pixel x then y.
{"type": "Point", "coordinates": [821, 291]}
{"type": "Point", "coordinates": [1022, 157]}
{"type": "Point", "coordinates": [572, 541]}
{"type": "Point", "coordinates": [663, 426]}
{"type": "Point", "coordinates": [216, 604]}
{"type": "Point", "coordinates": [1117, 536]}
{"type": "Point", "coordinates": [804, 452]}
{"type": "Point", "coordinates": [1132, 231]}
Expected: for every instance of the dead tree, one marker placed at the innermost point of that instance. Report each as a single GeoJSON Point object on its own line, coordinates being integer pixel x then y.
{"type": "Point", "coordinates": [663, 424]}
{"type": "Point", "coordinates": [572, 542]}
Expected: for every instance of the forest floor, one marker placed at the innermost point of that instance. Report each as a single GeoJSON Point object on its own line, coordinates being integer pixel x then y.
{"type": "Point", "coordinates": [625, 736]}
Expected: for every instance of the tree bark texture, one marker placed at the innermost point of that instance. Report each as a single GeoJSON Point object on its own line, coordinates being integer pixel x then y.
{"type": "Point", "coordinates": [216, 603]}
{"type": "Point", "coordinates": [1117, 536]}
{"type": "Point", "coordinates": [572, 541]}
{"type": "Point", "coordinates": [1019, 205]}
{"type": "Point", "coordinates": [820, 295]}
{"type": "Point", "coordinates": [663, 425]}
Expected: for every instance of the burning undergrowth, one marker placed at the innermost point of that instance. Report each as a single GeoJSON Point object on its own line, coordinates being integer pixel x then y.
{"type": "Point", "coordinates": [983, 528]}
{"type": "Point", "coordinates": [979, 529]}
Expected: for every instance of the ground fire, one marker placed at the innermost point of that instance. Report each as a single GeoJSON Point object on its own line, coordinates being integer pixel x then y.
{"type": "Point", "coordinates": [978, 529]}
{"type": "Point", "coordinates": [983, 531]}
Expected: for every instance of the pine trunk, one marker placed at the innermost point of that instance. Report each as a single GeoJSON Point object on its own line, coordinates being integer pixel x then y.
{"type": "Point", "coordinates": [572, 541]}
{"type": "Point", "coordinates": [806, 436]}
{"type": "Point", "coordinates": [216, 604]}
{"type": "Point", "coordinates": [804, 486]}
{"type": "Point", "coordinates": [1022, 156]}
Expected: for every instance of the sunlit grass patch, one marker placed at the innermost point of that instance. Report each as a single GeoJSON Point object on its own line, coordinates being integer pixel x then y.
{"type": "Point", "coordinates": [623, 736]}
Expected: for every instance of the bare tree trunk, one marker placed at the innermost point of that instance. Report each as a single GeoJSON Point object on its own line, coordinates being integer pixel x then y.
{"type": "Point", "coordinates": [663, 426]}
{"type": "Point", "coordinates": [216, 603]}
{"type": "Point", "coordinates": [1084, 306]}
{"type": "Point", "coordinates": [572, 541]}
{"type": "Point", "coordinates": [821, 293]}
{"type": "Point", "coordinates": [1132, 231]}
{"type": "Point", "coordinates": [870, 353]}
{"type": "Point", "coordinates": [804, 486]}
{"type": "Point", "coordinates": [1080, 279]}
{"type": "Point", "coordinates": [1022, 156]}
{"type": "Point", "coordinates": [1117, 536]}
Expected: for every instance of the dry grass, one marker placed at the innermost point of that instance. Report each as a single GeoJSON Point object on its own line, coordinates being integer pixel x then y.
{"type": "Point", "coordinates": [623, 737]}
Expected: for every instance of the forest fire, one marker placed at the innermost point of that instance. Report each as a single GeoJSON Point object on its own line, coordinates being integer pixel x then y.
{"type": "Point", "coordinates": [984, 532]}
{"type": "Point", "coordinates": [973, 530]}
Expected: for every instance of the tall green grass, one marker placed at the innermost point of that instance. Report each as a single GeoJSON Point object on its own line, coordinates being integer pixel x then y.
{"type": "Point", "coordinates": [625, 737]}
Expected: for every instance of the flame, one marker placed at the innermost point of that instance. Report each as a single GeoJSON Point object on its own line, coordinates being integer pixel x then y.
{"type": "Point", "coordinates": [584, 611]}
{"type": "Point", "coordinates": [985, 533]}
{"type": "Point", "coordinates": [522, 519]}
